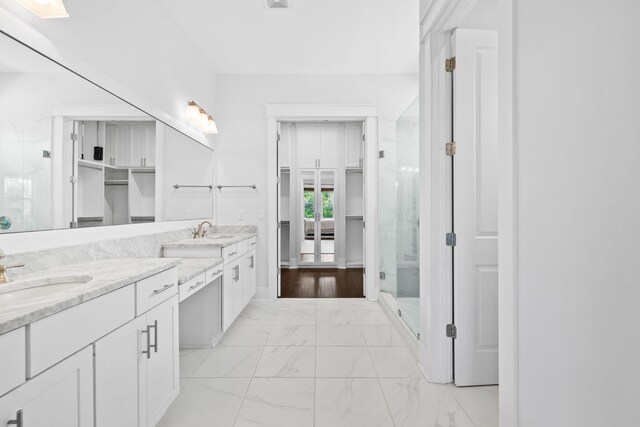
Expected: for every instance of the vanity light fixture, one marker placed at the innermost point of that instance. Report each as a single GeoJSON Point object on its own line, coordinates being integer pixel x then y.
{"type": "Point", "coordinates": [278, 4]}
{"type": "Point", "coordinates": [198, 117]}
{"type": "Point", "coordinates": [46, 9]}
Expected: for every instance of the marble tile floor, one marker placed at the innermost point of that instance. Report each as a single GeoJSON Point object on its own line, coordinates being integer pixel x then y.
{"type": "Point", "coordinates": [318, 363]}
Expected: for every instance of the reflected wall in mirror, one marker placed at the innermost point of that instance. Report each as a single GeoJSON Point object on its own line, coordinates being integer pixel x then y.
{"type": "Point", "coordinates": [74, 155]}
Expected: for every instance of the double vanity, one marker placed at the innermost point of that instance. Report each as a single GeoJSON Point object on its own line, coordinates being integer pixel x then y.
{"type": "Point", "coordinates": [97, 342]}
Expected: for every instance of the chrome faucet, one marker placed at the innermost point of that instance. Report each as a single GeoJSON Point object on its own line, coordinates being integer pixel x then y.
{"type": "Point", "coordinates": [201, 231]}
{"type": "Point", "coordinates": [3, 268]}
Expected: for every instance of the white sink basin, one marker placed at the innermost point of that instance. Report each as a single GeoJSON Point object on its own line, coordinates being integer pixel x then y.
{"type": "Point", "coordinates": [59, 283]}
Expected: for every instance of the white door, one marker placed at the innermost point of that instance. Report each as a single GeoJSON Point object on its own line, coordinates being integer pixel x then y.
{"type": "Point", "coordinates": [476, 207]}
{"type": "Point", "coordinates": [306, 146]}
{"type": "Point", "coordinates": [162, 376]}
{"type": "Point", "coordinates": [117, 358]}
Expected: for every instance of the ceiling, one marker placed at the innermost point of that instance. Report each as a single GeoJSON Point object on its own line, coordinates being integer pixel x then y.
{"type": "Point", "coordinates": [311, 37]}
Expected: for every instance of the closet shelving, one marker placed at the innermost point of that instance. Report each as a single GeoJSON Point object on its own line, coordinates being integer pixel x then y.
{"type": "Point", "coordinates": [121, 188]}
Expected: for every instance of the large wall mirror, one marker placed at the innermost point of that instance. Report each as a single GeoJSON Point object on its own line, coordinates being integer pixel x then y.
{"type": "Point", "coordinates": [74, 155]}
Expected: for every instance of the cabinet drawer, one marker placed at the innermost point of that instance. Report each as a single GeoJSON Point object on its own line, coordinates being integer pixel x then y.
{"type": "Point", "coordinates": [229, 253]}
{"type": "Point", "coordinates": [55, 337]}
{"type": "Point", "coordinates": [242, 247]}
{"type": "Point", "coordinates": [252, 243]}
{"type": "Point", "coordinates": [155, 289]}
{"type": "Point", "coordinates": [192, 286]}
{"type": "Point", "coordinates": [13, 347]}
{"type": "Point", "coordinates": [214, 273]}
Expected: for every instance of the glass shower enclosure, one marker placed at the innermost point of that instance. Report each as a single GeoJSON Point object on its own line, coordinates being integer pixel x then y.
{"type": "Point", "coordinates": [399, 208]}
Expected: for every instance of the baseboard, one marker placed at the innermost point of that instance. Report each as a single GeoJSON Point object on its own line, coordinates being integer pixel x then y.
{"type": "Point", "coordinates": [262, 294]}
{"type": "Point", "coordinates": [388, 303]}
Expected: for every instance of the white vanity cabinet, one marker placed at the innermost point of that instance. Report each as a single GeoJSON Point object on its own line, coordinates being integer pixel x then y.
{"type": "Point", "coordinates": [13, 367]}
{"type": "Point", "coordinates": [239, 279]}
{"type": "Point", "coordinates": [137, 365]}
{"type": "Point", "coordinates": [60, 396]}
{"type": "Point", "coordinates": [249, 278]}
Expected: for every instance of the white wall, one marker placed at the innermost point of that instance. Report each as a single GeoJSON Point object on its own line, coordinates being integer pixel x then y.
{"type": "Point", "coordinates": [577, 136]}
{"type": "Point", "coordinates": [242, 143]}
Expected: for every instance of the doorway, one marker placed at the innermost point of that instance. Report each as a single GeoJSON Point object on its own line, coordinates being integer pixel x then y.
{"type": "Point", "coordinates": [321, 208]}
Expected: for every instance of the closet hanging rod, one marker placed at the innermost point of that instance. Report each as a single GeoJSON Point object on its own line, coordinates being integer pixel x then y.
{"type": "Point", "coordinates": [176, 186]}
{"type": "Point", "coordinates": [220, 187]}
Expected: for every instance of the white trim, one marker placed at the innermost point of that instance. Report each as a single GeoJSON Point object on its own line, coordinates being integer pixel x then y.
{"type": "Point", "coordinates": [305, 112]}
{"type": "Point", "coordinates": [20, 30]}
{"type": "Point", "coordinates": [508, 288]}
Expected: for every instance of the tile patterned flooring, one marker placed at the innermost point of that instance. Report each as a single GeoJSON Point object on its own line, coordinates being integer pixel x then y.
{"type": "Point", "coordinates": [318, 363]}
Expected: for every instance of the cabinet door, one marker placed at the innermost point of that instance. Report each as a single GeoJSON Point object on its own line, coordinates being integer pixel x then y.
{"type": "Point", "coordinates": [228, 282]}
{"type": "Point", "coordinates": [284, 146]}
{"type": "Point", "coordinates": [162, 375]}
{"type": "Point", "coordinates": [138, 144]}
{"type": "Point", "coordinates": [249, 267]}
{"type": "Point", "coordinates": [238, 285]}
{"type": "Point", "coordinates": [60, 396]}
{"type": "Point", "coordinates": [117, 369]}
{"type": "Point", "coordinates": [110, 144]}
{"type": "Point", "coordinates": [123, 146]}
{"type": "Point", "coordinates": [353, 145]}
{"type": "Point", "coordinates": [306, 147]}
{"type": "Point", "coordinates": [150, 155]}
{"type": "Point", "coordinates": [328, 147]}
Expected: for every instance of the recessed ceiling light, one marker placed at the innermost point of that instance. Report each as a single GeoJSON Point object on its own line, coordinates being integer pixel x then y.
{"type": "Point", "coordinates": [278, 4]}
{"type": "Point", "coordinates": [46, 8]}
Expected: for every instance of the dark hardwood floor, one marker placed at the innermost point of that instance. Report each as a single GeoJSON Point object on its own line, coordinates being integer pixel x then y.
{"type": "Point", "coordinates": [321, 283]}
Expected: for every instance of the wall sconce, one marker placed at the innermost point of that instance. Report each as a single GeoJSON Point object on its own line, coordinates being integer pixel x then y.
{"type": "Point", "coordinates": [199, 118]}
{"type": "Point", "coordinates": [46, 9]}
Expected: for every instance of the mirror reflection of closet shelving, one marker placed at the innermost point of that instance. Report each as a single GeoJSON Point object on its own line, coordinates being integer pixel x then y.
{"type": "Point", "coordinates": [115, 178]}
{"type": "Point", "coordinates": [334, 148]}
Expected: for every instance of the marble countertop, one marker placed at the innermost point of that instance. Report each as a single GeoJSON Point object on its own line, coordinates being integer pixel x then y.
{"type": "Point", "coordinates": [188, 268]}
{"type": "Point", "coordinates": [37, 295]}
{"type": "Point", "coordinates": [217, 240]}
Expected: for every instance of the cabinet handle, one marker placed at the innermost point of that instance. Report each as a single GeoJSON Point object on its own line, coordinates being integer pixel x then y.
{"type": "Point", "coordinates": [217, 272]}
{"type": "Point", "coordinates": [155, 337]}
{"type": "Point", "coordinates": [251, 265]}
{"type": "Point", "coordinates": [253, 243]}
{"type": "Point", "coordinates": [148, 350]}
{"type": "Point", "coordinates": [232, 253]}
{"type": "Point", "coordinates": [164, 288]}
{"type": "Point", "coordinates": [18, 421]}
{"type": "Point", "coordinates": [197, 285]}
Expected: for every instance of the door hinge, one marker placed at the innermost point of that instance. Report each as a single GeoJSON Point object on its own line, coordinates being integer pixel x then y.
{"type": "Point", "coordinates": [364, 224]}
{"type": "Point", "coordinates": [450, 64]}
{"type": "Point", "coordinates": [452, 331]}
{"type": "Point", "coordinates": [381, 154]}
{"type": "Point", "coordinates": [451, 239]}
{"type": "Point", "coordinates": [450, 148]}
{"type": "Point", "coordinates": [399, 312]}
{"type": "Point", "coordinates": [278, 180]}
{"type": "Point", "coordinates": [279, 224]}
{"type": "Point", "coordinates": [383, 275]}
{"type": "Point", "coordinates": [278, 138]}
{"type": "Point", "coordinates": [364, 137]}
{"type": "Point", "coordinates": [73, 179]}
{"type": "Point", "coordinates": [74, 136]}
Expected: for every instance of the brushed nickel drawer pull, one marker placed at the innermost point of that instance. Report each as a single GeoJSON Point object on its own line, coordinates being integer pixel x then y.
{"type": "Point", "coordinates": [164, 288]}
{"type": "Point", "coordinates": [155, 337]}
{"type": "Point", "coordinates": [148, 350]}
{"type": "Point", "coordinates": [232, 253]}
{"type": "Point", "coordinates": [197, 285]}
{"type": "Point", "coordinates": [18, 421]}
